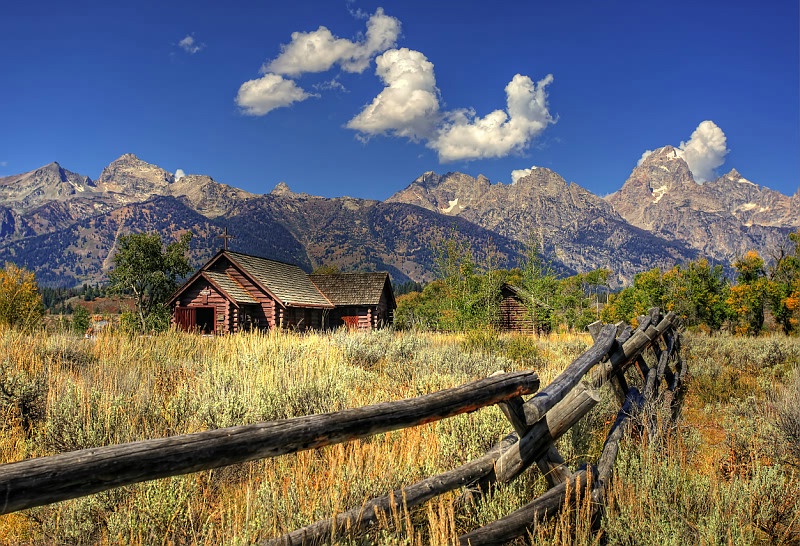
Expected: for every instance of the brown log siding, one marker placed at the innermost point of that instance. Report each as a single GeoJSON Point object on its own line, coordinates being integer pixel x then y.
{"type": "Point", "coordinates": [194, 298]}
{"type": "Point", "coordinates": [514, 316]}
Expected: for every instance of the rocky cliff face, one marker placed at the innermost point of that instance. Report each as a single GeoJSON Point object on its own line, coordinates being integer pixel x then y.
{"type": "Point", "coordinates": [30, 190]}
{"type": "Point", "coordinates": [722, 218]}
{"type": "Point", "coordinates": [571, 224]}
{"type": "Point", "coordinates": [133, 179]}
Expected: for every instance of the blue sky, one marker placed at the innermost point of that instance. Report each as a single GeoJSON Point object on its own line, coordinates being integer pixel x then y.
{"type": "Point", "coordinates": [392, 89]}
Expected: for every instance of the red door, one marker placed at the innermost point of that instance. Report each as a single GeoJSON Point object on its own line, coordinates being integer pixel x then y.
{"type": "Point", "coordinates": [185, 318]}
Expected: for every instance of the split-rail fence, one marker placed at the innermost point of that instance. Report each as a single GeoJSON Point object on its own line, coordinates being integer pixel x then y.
{"type": "Point", "coordinates": [537, 422]}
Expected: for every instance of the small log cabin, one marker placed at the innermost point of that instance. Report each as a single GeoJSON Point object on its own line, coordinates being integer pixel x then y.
{"type": "Point", "coordinates": [516, 313]}
{"type": "Point", "coordinates": [237, 292]}
{"type": "Point", "coordinates": [362, 301]}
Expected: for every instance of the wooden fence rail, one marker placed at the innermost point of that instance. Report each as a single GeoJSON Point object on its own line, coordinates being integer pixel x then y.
{"type": "Point", "coordinates": [592, 480]}
{"type": "Point", "coordinates": [537, 422]}
{"type": "Point", "coordinates": [44, 480]}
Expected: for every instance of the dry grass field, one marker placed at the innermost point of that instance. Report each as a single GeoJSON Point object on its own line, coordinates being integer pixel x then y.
{"type": "Point", "coordinates": [727, 473]}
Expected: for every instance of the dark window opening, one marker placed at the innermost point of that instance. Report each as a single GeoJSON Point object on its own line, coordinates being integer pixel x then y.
{"type": "Point", "coordinates": [205, 320]}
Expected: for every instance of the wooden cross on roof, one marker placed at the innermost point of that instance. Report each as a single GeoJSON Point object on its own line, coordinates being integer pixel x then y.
{"type": "Point", "coordinates": [225, 238]}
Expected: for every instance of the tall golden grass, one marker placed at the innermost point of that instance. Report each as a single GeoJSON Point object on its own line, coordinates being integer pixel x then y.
{"type": "Point", "coordinates": [727, 460]}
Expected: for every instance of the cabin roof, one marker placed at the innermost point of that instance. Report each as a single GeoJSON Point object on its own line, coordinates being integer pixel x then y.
{"type": "Point", "coordinates": [344, 289]}
{"type": "Point", "coordinates": [525, 296]}
{"type": "Point", "coordinates": [288, 283]}
{"type": "Point", "coordinates": [233, 289]}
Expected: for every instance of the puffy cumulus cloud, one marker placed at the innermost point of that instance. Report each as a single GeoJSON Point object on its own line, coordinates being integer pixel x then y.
{"type": "Point", "coordinates": [705, 150]}
{"type": "Point", "coordinates": [516, 174]}
{"type": "Point", "coordinates": [258, 97]}
{"type": "Point", "coordinates": [409, 104]}
{"type": "Point", "coordinates": [190, 45]}
{"type": "Point", "coordinates": [465, 136]}
{"type": "Point", "coordinates": [319, 50]}
{"type": "Point", "coordinates": [409, 107]}
{"type": "Point", "coordinates": [179, 174]}
{"type": "Point", "coordinates": [645, 155]}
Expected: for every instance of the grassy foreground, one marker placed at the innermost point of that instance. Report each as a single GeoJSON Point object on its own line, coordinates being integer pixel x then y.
{"type": "Point", "coordinates": [726, 473]}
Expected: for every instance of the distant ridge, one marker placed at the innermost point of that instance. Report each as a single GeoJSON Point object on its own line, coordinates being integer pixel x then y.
{"type": "Point", "coordinates": [64, 225]}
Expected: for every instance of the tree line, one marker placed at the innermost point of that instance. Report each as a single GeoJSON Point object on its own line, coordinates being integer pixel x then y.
{"type": "Point", "coordinates": [466, 295]}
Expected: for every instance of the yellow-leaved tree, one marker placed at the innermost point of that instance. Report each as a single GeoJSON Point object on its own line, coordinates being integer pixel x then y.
{"type": "Point", "coordinates": [20, 301]}
{"type": "Point", "coordinates": [747, 298]}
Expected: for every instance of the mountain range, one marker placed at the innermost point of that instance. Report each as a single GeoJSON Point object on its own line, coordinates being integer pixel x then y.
{"type": "Point", "coordinates": [64, 226]}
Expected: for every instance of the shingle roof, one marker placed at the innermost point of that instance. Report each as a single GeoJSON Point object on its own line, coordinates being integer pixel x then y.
{"type": "Point", "coordinates": [352, 288]}
{"type": "Point", "coordinates": [235, 290]}
{"type": "Point", "coordinates": [523, 294]}
{"type": "Point", "coordinates": [287, 282]}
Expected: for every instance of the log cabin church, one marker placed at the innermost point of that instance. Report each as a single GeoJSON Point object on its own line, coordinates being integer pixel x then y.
{"type": "Point", "coordinates": [237, 292]}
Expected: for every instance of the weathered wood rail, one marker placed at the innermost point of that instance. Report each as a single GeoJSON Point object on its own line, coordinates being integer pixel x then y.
{"type": "Point", "coordinates": [538, 422]}
{"type": "Point", "coordinates": [44, 480]}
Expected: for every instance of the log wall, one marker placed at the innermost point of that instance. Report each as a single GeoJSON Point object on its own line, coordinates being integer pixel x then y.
{"type": "Point", "coordinates": [203, 294]}
{"type": "Point", "coordinates": [265, 315]}
{"type": "Point", "coordinates": [514, 316]}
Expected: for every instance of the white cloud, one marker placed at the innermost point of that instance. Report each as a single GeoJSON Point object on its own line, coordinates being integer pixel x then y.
{"type": "Point", "coordinates": [258, 97]}
{"type": "Point", "coordinates": [705, 150]}
{"type": "Point", "coordinates": [409, 105]}
{"type": "Point", "coordinates": [179, 174]}
{"type": "Point", "coordinates": [357, 13]}
{"type": "Point", "coordinates": [319, 50]}
{"type": "Point", "coordinates": [645, 155]}
{"type": "Point", "coordinates": [3, 163]}
{"type": "Point", "coordinates": [465, 136]}
{"type": "Point", "coordinates": [333, 84]}
{"type": "Point", "coordinates": [190, 45]}
{"type": "Point", "coordinates": [516, 174]}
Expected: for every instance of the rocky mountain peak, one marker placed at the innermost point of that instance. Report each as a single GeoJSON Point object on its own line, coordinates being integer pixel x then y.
{"type": "Point", "coordinates": [540, 176]}
{"type": "Point", "coordinates": [733, 176]}
{"type": "Point", "coordinates": [449, 194]}
{"type": "Point", "coordinates": [721, 218]}
{"type": "Point", "coordinates": [669, 160]}
{"type": "Point", "coordinates": [50, 183]}
{"type": "Point", "coordinates": [428, 179]}
{"type": "Point", "coordinates": [133, 177]}
{"type": "Point", "coordinates": [282, 189]}
{"type": "Point", "coordinates": [207, 196]}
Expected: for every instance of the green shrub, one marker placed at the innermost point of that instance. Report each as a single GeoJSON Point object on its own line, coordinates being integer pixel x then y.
{"type": "Point", "coordinates": [80, 320]}
{"type": "Point", "coordinates": [23, 397]}
{"type": "Point", "coordinates": [786, 413]}
{"type": "Point", "coordinates": [483, 340]}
